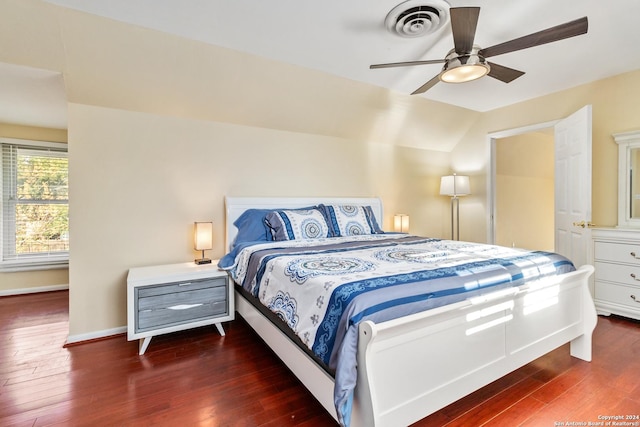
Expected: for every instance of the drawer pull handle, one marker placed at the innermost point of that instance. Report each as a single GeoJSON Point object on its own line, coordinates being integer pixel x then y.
{"type": "Point", "coordinates": [633, 254]}
{"type": "Point", "coordinates": [633, 276]}
{"type": "Point", "coordinates": [633, 297]}
{"type": "Point", "coordinates": [183, 306]}
{"type": "Point", "coordinates": [188, 283]}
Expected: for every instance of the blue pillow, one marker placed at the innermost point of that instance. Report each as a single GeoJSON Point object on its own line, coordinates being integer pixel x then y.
{"type": "Point", "coordinates": [251, 227]}
{"type": "Point", "coordinates": [229, 260]}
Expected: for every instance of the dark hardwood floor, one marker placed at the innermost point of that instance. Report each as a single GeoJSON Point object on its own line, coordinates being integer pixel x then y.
{"type": "Point", "coordinates": [198, 378]}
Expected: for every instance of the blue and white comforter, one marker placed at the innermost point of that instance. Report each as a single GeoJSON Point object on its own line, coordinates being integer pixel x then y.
{"type": "Point", "coordinates": [322, 288]}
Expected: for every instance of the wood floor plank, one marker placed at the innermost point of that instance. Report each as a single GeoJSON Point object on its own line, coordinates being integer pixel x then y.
{"type": "Point", "coordinates": [516, 414]}
{"type": "Point", "coordinates": [561, 383]}
{"type": "Point", "coordinates": [197, 377]}
{"type": "Point", "coordinates": [482, 414]}
{"type": "Point", "coordinates": [462, 406]}
{"type": "Point", "coordinates": [548, 415]}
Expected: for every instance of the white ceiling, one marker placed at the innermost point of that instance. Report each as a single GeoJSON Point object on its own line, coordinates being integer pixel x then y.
{"type": "Point", "coordinates": [344, 37]}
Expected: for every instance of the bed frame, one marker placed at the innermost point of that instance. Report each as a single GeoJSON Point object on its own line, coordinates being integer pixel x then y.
{"type": "Point", "coordinates": [411, 367]}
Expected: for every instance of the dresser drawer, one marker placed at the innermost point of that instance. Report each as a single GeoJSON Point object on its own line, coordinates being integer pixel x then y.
{"type": "Point", "coordinates": [617, 252]}
{"type": "Point", "coordinates": [618, 294]}
{"type": "Point", "coordinates": [620, 273]}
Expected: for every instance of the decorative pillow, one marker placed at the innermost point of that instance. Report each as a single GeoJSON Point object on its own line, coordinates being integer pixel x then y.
{"type": "Point", "coordinates": [251, 226]}
{"type": "Point", "coordinates": [350, 220]}
{"type": "Point", "coordinates": [297, 224]}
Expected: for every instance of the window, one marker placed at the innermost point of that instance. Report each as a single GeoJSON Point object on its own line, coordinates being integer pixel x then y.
{"type": "Point", "coordinates": [35, 204]}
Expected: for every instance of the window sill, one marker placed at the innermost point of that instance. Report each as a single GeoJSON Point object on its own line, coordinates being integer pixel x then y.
{"type": "Point", "coordinates": [18, 266]}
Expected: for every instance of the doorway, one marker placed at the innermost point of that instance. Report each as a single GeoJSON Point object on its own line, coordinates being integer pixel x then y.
{"type": "Point", "coordinates": [519, 186]}
{"type": "Point", "coordinates": [524, 190]}
{"type": "Point", "coordinates": [572, 183]}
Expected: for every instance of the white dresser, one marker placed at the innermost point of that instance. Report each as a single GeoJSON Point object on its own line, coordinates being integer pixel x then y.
{"type": "Point", "coordinates": [616, 255]}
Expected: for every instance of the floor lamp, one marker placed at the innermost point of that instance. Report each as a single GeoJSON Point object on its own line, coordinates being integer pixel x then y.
{"type": "Point", "coordinates": [455, 186]}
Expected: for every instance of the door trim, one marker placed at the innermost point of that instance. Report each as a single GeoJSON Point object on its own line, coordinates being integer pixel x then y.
{"type": "Point", "coordinates": [491, 173]}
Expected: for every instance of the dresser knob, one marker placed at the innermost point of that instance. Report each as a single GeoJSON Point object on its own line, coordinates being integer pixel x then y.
{"type": "Point", "coordinates": [633, 276]}
{"type": "Point", "coordinates": [633, 297]}
{"type": "Point", "coordinates": [633, 254]}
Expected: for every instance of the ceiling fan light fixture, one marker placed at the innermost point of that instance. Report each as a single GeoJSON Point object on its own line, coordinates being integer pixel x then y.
{"type": "Point", "coordinates": [464, 68]}
{"type": "Point", "coordinates": [464, 73]}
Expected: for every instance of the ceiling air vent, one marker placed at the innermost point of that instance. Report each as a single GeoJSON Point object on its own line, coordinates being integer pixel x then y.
{"type": "Point", "coordinates": [415, 18]}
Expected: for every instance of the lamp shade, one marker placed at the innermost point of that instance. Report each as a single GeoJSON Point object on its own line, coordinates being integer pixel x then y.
{"type": "Point", "coordinates": [203, 236]}
{"type": "Point", "coordinates": [401, 223]}
{"type": "Point", "coordinates": [454, 185]}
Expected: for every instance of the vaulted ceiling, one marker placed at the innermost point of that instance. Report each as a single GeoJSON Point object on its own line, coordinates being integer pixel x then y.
{"type": "Point", "coordinates": [344, 38]}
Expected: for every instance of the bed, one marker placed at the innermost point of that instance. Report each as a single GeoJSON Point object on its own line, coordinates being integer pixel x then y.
{"type": "Point", "coordinates": [411, 366]}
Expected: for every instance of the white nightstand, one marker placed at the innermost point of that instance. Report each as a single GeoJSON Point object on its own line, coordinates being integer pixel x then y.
{"type": "Point", "coordinates": [174, 297]}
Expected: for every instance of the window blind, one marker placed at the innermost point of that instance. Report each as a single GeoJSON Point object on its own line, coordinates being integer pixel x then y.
{"type": "Point", "coordinates": [35, 204]}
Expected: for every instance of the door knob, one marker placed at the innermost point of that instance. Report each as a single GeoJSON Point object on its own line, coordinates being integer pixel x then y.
{"type": "Point", "coordinates": [583, 224]}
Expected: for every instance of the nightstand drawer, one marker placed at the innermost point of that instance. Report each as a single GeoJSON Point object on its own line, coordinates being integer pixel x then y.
{"type": "Point", "coordinates": [183, 313]}
{"type": "Point", "coordinates": [182, 306]}
{"type": "Point", "coordinates": [179, 287]}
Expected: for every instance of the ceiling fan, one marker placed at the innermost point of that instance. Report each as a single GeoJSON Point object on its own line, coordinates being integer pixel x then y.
{"type": "Point", "coordinates": [467, 61]}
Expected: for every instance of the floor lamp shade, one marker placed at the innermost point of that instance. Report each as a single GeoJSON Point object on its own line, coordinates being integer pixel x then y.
{"type": "Point", "coordinates": [203, 239]}
{"type": "Point", "coordinates": [455, 186]}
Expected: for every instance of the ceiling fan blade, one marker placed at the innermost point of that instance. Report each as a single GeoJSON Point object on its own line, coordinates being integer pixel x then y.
{"type": "Point", "coordinates": [406, 64]}
{"type": "Point", "coordinates": [428, 85]}
{"type": "Point", "coordinates": [504, 74]}
{"type": "Point", "coordinates": [463, 25]}
{"type": "Point", "coordinates": [559, 32]}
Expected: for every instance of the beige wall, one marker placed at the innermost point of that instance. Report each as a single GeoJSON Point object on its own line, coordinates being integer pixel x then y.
{"type": "Point", "coordinates": [157, 164]}
{"type": "Point", "coordinates": [30, 281]}
{"type": "Point", "coordinates": [614, 110]}
{"type": "Point", "coordinates": [8, 130]}
{"type": "Point", "coordinates": [23, 281]}
{"type": "Point", "coordinates": [524, 215]}
{"type": "Point", "coordinates": [162, 128]}
{"type": "Point", "coordinates": [139, 181]}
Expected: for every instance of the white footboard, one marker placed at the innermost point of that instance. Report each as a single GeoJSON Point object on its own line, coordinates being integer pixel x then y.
{"type": "Point", "coordinates": [411, 367]}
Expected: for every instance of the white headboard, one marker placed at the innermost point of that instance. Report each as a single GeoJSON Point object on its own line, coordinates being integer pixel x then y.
{"type": "Point", "coordinates": [235, 206]}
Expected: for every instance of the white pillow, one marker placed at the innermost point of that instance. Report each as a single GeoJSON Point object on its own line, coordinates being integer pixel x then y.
{"type": "Point", "coordinates": [351, 220]}
{"type": "Point", "coordinates": [297, 224]}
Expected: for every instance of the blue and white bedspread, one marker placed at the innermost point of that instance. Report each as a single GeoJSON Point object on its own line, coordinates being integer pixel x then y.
{"type": "Point", "coordinates": [323, 288]}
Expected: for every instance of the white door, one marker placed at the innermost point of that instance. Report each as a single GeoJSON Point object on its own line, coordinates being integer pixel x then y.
{"type": "Point", "coordinates": [573, 186]}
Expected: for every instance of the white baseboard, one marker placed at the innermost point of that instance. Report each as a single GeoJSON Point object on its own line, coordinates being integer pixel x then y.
{"type": "Point", "coordinates": [72, 339]}
{"type": "Point", "coordinates": [37, 289]}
